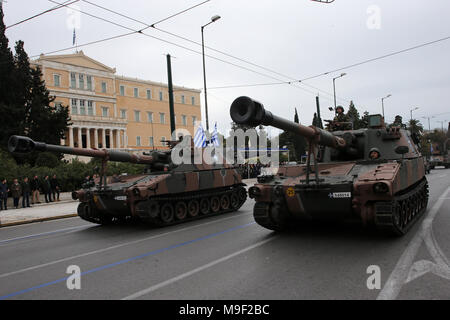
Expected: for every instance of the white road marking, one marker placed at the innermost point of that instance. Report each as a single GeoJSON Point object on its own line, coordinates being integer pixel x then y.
{"type": "Point", "coordinates": [115, 247]}
{"type": "Point", "coordinates": [406, 268]}
{"type": "Point", "coordinates": [45, 233]}
{"type": "Point", "coordinates": [194, 271]}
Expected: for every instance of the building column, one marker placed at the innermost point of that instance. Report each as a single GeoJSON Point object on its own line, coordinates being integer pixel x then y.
{"type": "Point", "coordinates": [71, 137]}
{"type": "Point", "coordinates": [80, 138]}
{"type": "Point", "coordinates": [88, 138]}
{"type": "Point", "coordinates": [111, 139]}
{"type": "Point", "coordinates": [103, 138]}
{"type": "Point", "coordinates": [125, 139]}
{"type": "Point", "coordinates": [117, 139]}
{"type": "Point", "coordinates": [96, 138]}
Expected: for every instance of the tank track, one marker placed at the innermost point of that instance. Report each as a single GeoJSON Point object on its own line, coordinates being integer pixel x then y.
{"type": "Point", "coordinates": [158, 210]}
{"type": "Point", "coordinates": [400, 214]}
{"type": "Point", "coordinates": [269, 216]}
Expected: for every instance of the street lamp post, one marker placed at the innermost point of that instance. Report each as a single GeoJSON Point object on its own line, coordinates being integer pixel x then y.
{"type": "Point", "coordinates": [412, 111]}
{"type": "Point", "coordinates": [213, 19]}
{"type": "Point", "coordinates": [429, 127]}
{"type": "Point", "coordinates": [382, 103]}
{"type": "Point", "coordinates": [334, 88]}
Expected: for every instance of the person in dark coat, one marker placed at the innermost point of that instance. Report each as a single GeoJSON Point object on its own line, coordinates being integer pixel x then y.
{"type": "Point", "coordinates": [35, 185]}
{"type": "Point", "coordinates": [16, 192]}
{"type": "Point", "coordinates": [55, 187]}
{"type": "Point", "coordinates": [4, 194]}
{"type": "Point", "coordinates": [47, 189]}
{"type": "Point", "coordinates": [26, 191]}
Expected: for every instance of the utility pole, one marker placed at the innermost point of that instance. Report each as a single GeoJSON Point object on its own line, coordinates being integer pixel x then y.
{"type": "Point", "coordinates": [171, 101]}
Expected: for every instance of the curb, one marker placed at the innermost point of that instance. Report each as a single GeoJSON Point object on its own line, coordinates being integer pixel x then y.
{"type": "Point", "coordinates": [16, 223]}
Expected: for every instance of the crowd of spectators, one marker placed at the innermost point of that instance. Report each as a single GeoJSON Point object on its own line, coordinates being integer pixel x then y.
{"type": "Point", "coordinates": [29, 191]}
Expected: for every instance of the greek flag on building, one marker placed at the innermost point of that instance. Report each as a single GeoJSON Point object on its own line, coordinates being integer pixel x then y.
{"type": "Point", "coordinates": [200, 138]}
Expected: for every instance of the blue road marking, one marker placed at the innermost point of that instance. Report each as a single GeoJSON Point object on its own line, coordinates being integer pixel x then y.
{"type": "Point", "coordinates": [128, 260]}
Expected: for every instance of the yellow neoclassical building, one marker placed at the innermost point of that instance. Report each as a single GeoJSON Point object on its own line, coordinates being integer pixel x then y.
{"type": "Point", "coordinates": [115, 112]}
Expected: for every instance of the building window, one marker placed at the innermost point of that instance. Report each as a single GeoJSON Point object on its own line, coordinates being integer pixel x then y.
{"type": "Point", "coordinates": [89, 82]}
{"type": "Point", "coordinates": [149, 94]}
{"type": "Point", "coordinates": [183, 100]}
{"type": "Point", "coordinates": [105, 112]}
{"type": "Point", "coordinates": [184, 120]}
{"type": "Point", "coordinates": [150, 117]}
{"type": "Point", "coordinates": [57, 80]}
{"type": "Point", "coordinates": [104, 87]}
{"type": "Point", "coordinates": [91, 108]}
{"type": "Point", "coordinates": [74, 106]}
{"type": "Point", "coordinates": [162, 118]}
{"type": "Point", "coordinates": [58, 106]}
{"type": "Point", "coordinates": [123, 113]}
{"type": "Point", "coordinates": [194, 119]}
{"type": "Point", "coordinates": [160, 96]}
{"type": "Point", "coordinates": [81, 81]}
{"type": "Point", "coordinates": [82, 107]}
{"type": "Point", "coordinates": [73, 80]}
{"type": "Point", "coordinates": [151, 142]}
{"type": "Point", "coordinates": [193, 101]}
{"type": "Point", "coordinates": [122, 91]}
{"type": "Point", "coordinates": [138, 141]}
{"type": "Point", "coordinates": [136, 92]}
{"type": "Point", "coordinates": [163, 139]}
{"type": "Point", "coordinates": [137, 116]}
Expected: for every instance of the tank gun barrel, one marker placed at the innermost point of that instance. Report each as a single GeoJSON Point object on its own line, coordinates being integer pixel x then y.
{"type": "Point", "coordinates": [21, 144]}
{"type": "Point", "coordinates": [247, 111]}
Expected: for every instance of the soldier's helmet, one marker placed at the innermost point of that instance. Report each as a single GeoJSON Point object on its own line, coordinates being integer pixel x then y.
{"type": "Point", "coordinates": [374, 154]}
{"type": "Point", "coordinates": [341, 108]}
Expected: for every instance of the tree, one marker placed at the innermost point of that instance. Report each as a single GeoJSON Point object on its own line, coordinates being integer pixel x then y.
{"type": "Point", "coordinates": [364, 122]}
{"type": "Point", "coordinates": [353, 116]}
{"type": "Point", "coordinates": [25, 103]}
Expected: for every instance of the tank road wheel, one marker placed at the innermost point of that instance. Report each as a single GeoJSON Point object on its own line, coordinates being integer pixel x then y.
{"type": "Point", "coordinates": [204, 206]}
{"type": "Point", "coordinates": [215, 204]}
{"type": "Point", "coordinates": [225, 202]}
{"type": "Point", "coordinates": [181, 210]}
{"type": "Point", "coordinates": [193, 208]}
{"type": "Point", "coordinates": [242, 193]}
{"type": "Point", "coordinates": [167, 213]}
{"type": "Point", "coordinates": [234, 201]}
{"type": "Point", "coordinates": [397, 216]}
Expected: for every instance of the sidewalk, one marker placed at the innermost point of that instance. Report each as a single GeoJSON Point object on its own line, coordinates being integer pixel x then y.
{"type": "Point", "coordinates": [39, 212]}
{"type": "Point", "coordinates": [49, 211]}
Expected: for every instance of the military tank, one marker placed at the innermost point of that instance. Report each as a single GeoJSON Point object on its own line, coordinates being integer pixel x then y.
{"type": "Point", "coordinates": [374, 175]}
{"type": "Point", "coordinates": [164, 195]}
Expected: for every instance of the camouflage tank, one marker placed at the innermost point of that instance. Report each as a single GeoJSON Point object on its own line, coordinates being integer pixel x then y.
{"type": "Point", "coordinates": [373, 175]}
{"type": "Point", "coordinates": [164, 195]}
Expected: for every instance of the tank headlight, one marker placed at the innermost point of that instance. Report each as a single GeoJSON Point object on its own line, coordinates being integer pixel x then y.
{"type": "Point", "coordinates": [380, 187]}
{"type": "Point", "coordinates": [254, 192]}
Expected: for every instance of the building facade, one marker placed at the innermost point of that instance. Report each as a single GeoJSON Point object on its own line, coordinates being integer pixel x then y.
{"type": "Point", "coordinates": [115, 112]}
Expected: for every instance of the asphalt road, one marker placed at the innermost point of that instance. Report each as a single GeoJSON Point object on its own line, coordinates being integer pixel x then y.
{"type": "Point", "coordinates": [229, 257]}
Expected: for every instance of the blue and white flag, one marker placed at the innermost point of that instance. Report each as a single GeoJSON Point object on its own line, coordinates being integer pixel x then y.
{"type": "Point", "coordinates": [215, 137]}
{"type": "Point", "coordinates": [200, 138]}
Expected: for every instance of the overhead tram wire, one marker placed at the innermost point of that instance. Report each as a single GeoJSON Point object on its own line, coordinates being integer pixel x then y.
{"type": "Point", "coordinates": [181, 46]}
{"type": "Point", "coordinates": [293, 82]}
{"type": "Point", "coordinates": [65, 4]}
{"type": "Point", "coordinates": [42, 13]}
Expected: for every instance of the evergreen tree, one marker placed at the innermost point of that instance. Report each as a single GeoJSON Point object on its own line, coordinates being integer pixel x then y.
{"type": "Point", "coordinates": [25, 103]}
{"type": "Point", "coordinates": [296, 120]}
{"type": "Point", "coordinates": [10, 114]}
{"type": "Point", "coordinates": [364, 122]}
{"type": "Point", "coordinates": [353, 116]}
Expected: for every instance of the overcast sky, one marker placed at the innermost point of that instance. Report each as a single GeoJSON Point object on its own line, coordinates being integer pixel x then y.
{"type": "Point", "coordinates": [295, 38]}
